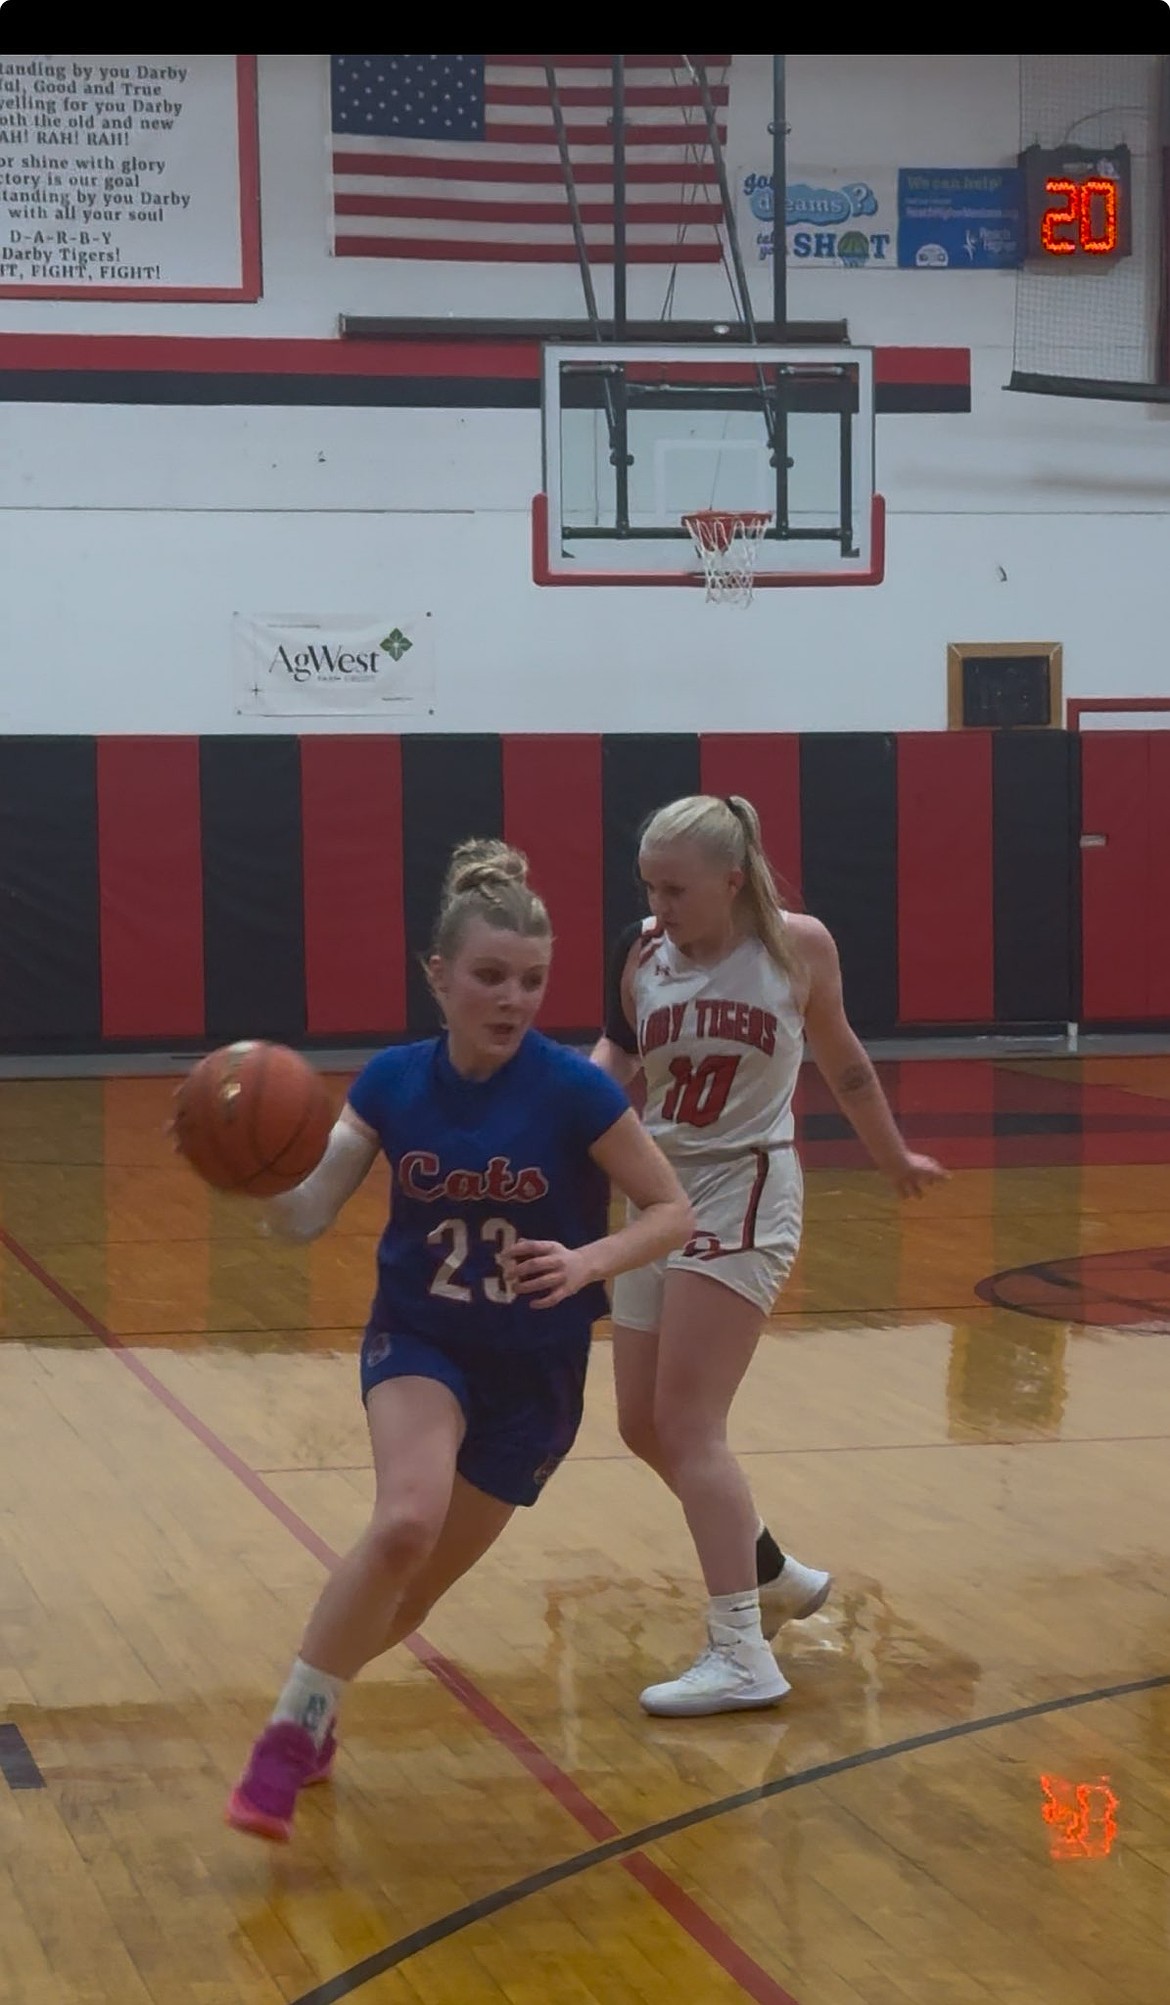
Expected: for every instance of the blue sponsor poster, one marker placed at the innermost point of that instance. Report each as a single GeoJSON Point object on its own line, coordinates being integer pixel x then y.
{"type": "Point", "coordinates": [959, 218]}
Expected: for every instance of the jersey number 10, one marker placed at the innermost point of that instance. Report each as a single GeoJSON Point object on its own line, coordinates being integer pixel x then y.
{"type": "Point", "coordinates": [700, 1092]}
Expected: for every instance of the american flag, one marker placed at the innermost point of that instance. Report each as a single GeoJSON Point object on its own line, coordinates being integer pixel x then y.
{"type": "Point", "coordinates": [457, 157]}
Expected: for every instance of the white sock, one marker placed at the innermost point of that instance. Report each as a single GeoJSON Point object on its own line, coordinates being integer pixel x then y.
{"type": "Point", "coordinates": [309, 1700]}
{"type": "Point", "coordinates": [739, 1613]}
{"type": "Point", "coordinates": [761, 1528]}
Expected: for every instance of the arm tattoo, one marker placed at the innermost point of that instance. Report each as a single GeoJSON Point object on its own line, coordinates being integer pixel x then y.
{"type": "Point", "coordinates": [856, 1078]}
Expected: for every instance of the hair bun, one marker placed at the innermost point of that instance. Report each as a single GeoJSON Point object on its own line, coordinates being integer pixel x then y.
{"type": "Point", "coordinates": [477, 865]}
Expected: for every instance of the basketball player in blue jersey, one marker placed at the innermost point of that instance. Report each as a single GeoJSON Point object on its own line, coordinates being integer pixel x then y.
{"type": "Point", "coordinates": [501, 1145]}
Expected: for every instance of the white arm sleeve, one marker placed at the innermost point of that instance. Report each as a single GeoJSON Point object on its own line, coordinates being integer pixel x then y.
{"type": "Point", "coordinates": [306, 1212]}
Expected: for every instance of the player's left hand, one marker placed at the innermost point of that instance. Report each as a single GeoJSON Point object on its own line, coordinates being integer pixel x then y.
{"type": "Point", "coordinates": [544, 1269]}
{"type": "Point", "coordinates": [912, 1176]}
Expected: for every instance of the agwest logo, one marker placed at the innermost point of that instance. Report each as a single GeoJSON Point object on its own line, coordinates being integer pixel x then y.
{"type": "Point", "coordinates": [330, 664]}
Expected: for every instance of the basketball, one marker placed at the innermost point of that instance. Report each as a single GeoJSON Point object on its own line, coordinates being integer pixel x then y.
{"type": "Point", "coordinates": [253, 1118]}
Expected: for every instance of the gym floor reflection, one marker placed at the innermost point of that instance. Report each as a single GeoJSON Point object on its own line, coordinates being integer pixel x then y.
{"type": "Point", "coordinates": [961, 1406]}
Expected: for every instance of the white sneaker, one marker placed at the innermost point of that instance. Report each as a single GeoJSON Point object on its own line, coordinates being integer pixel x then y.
{"type": "Point", "coordinates": [734, 1674]}
{"type": "Point", "coordinates": [797, 1591]}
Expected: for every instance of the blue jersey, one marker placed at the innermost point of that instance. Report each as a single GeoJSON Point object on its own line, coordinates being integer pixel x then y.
{"type": "Point", "coordinates": [478, 1164]}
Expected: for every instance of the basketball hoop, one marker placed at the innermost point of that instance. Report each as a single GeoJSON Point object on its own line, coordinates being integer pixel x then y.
{"type": "Point", "coordinates": [728, 542]}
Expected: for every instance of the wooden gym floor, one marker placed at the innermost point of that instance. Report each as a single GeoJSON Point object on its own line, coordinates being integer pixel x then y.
{"type": "Point", "coordinates": [963, 1409]}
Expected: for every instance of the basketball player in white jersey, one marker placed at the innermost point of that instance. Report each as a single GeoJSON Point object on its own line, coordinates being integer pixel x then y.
{"type": "Point", "coordinates": [713, 997]}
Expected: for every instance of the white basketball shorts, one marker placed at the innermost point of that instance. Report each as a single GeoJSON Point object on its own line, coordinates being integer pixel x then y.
{"type": "Point", "coordinates": [747, 1233]}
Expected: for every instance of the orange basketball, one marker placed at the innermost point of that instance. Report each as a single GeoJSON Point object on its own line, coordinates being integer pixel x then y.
{"type": "Point", "coordinates": [253, 1118]}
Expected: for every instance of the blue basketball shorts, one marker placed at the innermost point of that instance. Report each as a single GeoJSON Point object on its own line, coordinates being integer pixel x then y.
{"type": "Point", "coordinates": [522, 1408]}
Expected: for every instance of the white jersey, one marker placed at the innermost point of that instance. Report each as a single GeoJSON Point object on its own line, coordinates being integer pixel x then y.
{"type": "Point", "coordinates": [721, 1049]}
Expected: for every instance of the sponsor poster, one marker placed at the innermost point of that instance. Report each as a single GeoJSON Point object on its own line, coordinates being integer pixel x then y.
{"type": "Point", "coordinates": [301, 664]}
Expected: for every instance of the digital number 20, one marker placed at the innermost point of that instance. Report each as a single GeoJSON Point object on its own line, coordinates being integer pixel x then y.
{"type": "Point", "coordinates": [1076, 217]}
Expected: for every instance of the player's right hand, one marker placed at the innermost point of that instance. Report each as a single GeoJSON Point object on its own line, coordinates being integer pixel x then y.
{"type": "Point", "coordinates": [544, 1269]}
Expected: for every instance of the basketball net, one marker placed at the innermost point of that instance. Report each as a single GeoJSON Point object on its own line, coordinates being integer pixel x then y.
{"type": "Point", "coordinates": [728, 543]}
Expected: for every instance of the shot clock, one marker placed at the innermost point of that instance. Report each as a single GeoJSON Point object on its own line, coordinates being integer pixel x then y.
{"type": "Point", "coordinates": [1077, 205]}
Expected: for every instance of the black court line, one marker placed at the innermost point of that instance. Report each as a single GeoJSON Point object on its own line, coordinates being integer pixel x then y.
{"type": "Point", "coordinates": [840, 1448]}
{"type": "Point", "coordinates": [396, 1953]}
{"type": "Point", "coordinates": [988, 1291]}
{"type": "Point", "coordinates": [16, 1761]}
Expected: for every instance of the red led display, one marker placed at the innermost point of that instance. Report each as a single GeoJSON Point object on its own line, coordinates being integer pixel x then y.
{"type": "Point", "coordinates": [1081, 217]}
{"type": "Point", "coordinates": [1077, 205]}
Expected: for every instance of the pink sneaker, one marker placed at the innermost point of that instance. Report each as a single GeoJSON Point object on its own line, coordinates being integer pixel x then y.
{"type": "Point", "coordinates": [283, 1760]}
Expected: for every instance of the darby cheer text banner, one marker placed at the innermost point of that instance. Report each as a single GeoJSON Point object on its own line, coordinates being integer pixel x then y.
{"type": "Point", "coordinates": [291, 664]}
{"type": "Point", "coordinates": [129, 177]}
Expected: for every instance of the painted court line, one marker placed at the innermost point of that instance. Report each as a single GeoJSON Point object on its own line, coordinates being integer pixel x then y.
{"type": "Point", "coordinates": [16, 1760]}
{"type": "Point", "coordinates": [723, 1950]}
{"type": "Point", "coordinates": [346, 1982]}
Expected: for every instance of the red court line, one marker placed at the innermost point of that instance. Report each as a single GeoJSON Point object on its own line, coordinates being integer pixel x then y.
{"type": "Point", "coordinates": [702, 1928]}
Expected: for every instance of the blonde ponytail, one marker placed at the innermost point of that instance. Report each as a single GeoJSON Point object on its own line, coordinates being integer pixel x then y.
{"type": "Point", "coordinates": [760, 896]}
